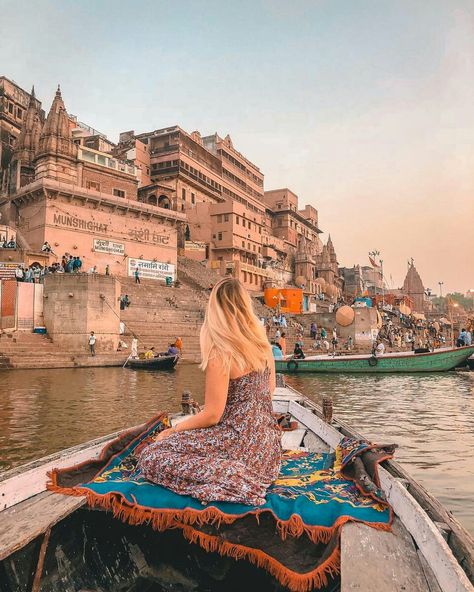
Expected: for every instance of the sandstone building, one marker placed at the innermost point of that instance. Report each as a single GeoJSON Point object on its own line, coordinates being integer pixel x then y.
{"type": "Point", "coordinates": [84, 201]}
{"type": "Point", "coordinates": [140, 201]}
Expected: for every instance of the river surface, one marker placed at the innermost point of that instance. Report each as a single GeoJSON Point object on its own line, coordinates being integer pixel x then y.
{"type": "Point", "coordinates": [430, 417]}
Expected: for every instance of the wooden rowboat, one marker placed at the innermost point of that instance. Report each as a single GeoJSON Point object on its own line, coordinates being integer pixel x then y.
{"type": "Point", "coordinates": [54, 543]}
{"type": "Point", "coordinates": [439, 360]}
{"type": "Point", "coordinates": [161, 362]}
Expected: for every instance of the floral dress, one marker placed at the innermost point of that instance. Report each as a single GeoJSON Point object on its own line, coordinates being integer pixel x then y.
{"type": "Point", "coordinates": [234, 461]}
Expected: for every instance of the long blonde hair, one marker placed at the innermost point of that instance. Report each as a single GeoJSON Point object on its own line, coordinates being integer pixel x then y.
{"type": "Point", "coordinates": [231, 332]}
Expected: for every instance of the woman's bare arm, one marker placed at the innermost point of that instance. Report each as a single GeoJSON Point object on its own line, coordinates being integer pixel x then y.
{"type": "Point", "coordinates": [217, 385]}
{"type": "Point", "coordinates": [271, 365]}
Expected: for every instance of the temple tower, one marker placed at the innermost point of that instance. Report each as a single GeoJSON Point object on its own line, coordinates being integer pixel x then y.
{"type": "Point", "coordinates": [57, 153]}
{"type": "Point", "coordinates": [22, 168]}
{"type": "Point", "coordinates": [413, 287]}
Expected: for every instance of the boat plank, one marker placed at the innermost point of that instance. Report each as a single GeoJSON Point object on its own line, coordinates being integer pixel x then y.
{"type": "Point", "coordinates": [429, 575]}
{"type": "Point", "coordinates": [431, 543]}
{"type": "Point", "coordinates": [389, 559]}
{"type": "Point", "coordinates": [306, 416]}
{"type": "Point", "coordinates": [19, 487]}
{"type": "Point", "coordinates": [24, 522]}
{"type": "Point", "coordinates": [292, 440]}
{"type": "Point", "coordinates": [314, 443]}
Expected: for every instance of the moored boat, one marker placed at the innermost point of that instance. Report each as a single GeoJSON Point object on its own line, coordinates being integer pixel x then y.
{"type": "Point", "coordinates": [160, 362]}
{"type": "Point", "coordinates": [439, 360]}
{"type": "Point", "coordinates": [58, 544]}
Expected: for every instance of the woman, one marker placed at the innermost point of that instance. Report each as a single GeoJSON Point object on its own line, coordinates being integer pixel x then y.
{"type": "Point", "coordinates": [231, 450]}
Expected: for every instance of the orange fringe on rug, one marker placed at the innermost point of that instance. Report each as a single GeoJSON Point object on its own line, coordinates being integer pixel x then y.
{"type": "Point", "coordinates": [163, 519]}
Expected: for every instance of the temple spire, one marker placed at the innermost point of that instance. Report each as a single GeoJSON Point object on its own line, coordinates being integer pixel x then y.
{"type": "Point", "coordinates": [57, 137]}
{"type": "Point", "coordinates": [28, 140]}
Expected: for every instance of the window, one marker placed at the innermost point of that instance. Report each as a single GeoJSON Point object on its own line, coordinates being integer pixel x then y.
{"type": "Point", "coordinates": [248, 246]}
{"type": "Point", "coordinates": [237, 220]}
{"type": "Point", "coordinates": [19, 113]}
{"type": "Point", "coordinates": [250, 226]}
{"type": "Point", "coordinates": [93, 185]}
{"type": "Point", "coordinates": [226, 217]}
{"type": "Point", "coordinates": [219, 236]}
{"type": "Point", "coordinates": [250, 278]}
{"type": "Point", "coordinates": [147, 171]}
{"type": "Point", "coordinates": [164, 202]}
{"type": "Point", "coordinates": [10, 108]}
{"type": "Point", "coordinates": [119, 193]}
{"type": "Point", "coordinates": [259, 230]}
{"type": "Point", "coordinates": [183, 194]}
{"type": "Point", "coordinates": [243, 222]}
{"type": "Point", "coordinates": [182, 207]}
{"type": "Point", "coordinates": [219, 218]}
{"type": "Point", "coordinates": [193, 198]}
{"type": "Point", "coordinates": [254, 248]}
{"type": "Point", "coordinates": [243, 244]}
{"type": "Point", "coordinates": [245, 276]}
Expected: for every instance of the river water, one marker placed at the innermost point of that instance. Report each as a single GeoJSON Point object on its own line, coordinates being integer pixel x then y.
{"type": "Point", "coordinates": [430, 416]}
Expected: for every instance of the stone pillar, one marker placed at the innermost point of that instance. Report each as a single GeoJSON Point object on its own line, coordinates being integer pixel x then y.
{"type": "Point", "coordinates": [76, 304]}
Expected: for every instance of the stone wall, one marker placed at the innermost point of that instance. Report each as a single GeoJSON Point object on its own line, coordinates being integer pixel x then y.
{"type": "Point", "coordinates": [76, 304]}
{"type": "Point", "coordinates": [360, 330]}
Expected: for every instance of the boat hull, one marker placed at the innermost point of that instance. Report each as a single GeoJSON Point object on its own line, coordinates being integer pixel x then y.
{"type": "Point", "coordinates": [160, 363]}
{"type": "Point", "coordinates": [437, 361]}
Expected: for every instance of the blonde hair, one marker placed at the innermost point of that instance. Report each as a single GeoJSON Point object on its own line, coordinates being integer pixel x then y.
{"type": "Point", "coordinates": [231, 332]}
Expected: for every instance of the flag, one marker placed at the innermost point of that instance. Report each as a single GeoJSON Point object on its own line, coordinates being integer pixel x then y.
{"type": "Point", "coordinates": [372, 262]}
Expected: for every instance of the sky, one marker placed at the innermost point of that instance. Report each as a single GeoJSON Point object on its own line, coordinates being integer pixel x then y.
{"type": "Point", "coordinates": [364, 108]}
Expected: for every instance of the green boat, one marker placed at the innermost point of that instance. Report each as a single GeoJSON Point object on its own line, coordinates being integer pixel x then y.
{"type": "Point", "coordinates": [439, 360]}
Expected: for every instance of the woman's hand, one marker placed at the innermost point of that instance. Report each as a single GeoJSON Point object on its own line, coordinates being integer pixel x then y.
{"type": "Point", "coordinates": [165, 434]}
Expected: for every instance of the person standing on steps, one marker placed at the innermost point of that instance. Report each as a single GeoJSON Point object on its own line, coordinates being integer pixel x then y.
{"type": "Point", "coordinates": [137, 276]}
{"type": "Point", "coordinates": [92, 340]}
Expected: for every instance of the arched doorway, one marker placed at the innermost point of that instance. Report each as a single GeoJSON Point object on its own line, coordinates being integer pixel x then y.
{"type": "Point", "coordinates": [152, 200]}
{"type": "Point", "coordinates": [164, 202]}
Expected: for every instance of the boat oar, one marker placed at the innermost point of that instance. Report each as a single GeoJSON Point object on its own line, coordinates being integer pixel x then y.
{"type": "Point", "coordinates": [126, 361]}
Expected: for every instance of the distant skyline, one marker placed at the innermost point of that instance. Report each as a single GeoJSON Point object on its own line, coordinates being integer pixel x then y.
{"type": "Point", "coordinates": [364, 109]}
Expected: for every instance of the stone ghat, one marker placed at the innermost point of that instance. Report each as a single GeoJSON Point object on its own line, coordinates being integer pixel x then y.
{"type": "Point", "coordinates": [23, 350]}
{"type": "Point", "coordinates": [158, 315]}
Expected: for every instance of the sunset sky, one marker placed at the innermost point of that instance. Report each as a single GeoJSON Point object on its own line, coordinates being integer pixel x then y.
{"type": "Point", "coordinates": [364, 108]}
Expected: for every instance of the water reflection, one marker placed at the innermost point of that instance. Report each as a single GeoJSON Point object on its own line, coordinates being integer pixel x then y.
{"type": "Point", "coordinates": [430, 416]}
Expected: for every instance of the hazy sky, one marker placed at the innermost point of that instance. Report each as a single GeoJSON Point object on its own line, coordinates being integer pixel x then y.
{"type": "Point", "coordinates": [365, 108]}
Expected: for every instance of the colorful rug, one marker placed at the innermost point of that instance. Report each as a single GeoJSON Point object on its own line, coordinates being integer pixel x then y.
{"type": "Point", "coordinates": [311, 497]}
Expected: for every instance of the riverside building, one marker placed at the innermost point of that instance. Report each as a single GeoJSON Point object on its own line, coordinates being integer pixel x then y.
{"type": "Point", "coordinates": [154, 194]}
{"type": "Point", "coordinates": [67, 188]}
{"type": "Point", "coordinates": [262, 237]}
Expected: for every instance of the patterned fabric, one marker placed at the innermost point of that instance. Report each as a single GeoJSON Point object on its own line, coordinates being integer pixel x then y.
{"type": "Point", "coordinates": [308, 487]}
{"type": "Point", "coordinates": [233, 461]}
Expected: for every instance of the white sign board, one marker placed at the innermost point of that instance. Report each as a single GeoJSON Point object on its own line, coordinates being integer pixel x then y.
{"type": "Point", "coordinates": [152, 270]}
{"type": "Point", "coordinates": [107, 246]}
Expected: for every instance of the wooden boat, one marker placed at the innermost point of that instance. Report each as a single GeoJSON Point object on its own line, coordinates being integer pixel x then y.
{"type": "Point", "coordinates": [160, 362]}
{"type": "Point", "coordinates": [470, 362]}
{"type": "Point", "coordinates": [54, 543]}
{"type": "Point", "coordinates": [439, 360]}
